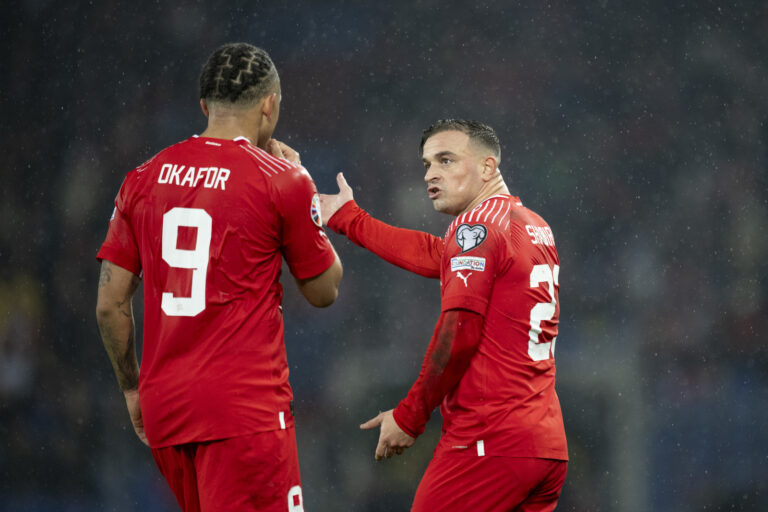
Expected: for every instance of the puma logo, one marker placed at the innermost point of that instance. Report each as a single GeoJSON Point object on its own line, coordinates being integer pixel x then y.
{"type": "Point", "coordinates": [464, 278]}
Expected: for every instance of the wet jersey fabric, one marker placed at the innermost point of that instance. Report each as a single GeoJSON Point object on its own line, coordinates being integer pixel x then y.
{"type": "Point", "coordinates": [498, 260]}
{"type": "Point", "coordinates": [206, 222]}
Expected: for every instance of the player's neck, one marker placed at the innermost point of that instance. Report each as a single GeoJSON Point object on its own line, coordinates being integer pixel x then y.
{"type": "Point", "coordinates": [494, 187]}
{"type": "Point", "coordinates": [227, 132]}
{"type": "Point", "coordinates": [230, 127]}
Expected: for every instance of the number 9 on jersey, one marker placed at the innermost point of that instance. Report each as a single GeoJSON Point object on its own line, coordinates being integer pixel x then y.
{"type": "Point", "coordinates": [195, 259]}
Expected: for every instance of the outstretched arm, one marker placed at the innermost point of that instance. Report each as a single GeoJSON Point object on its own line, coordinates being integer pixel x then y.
{"type": "Point", "coordinates": [415, 251]}
{"type": "Point", "coordinates": [114, 314]}
{"type": "Point", "coordinates": [450, 351]}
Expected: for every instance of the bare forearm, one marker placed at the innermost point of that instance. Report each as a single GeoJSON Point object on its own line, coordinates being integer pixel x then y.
{"type": "Point", "coordinates": [114, 314]}
{"type": "Point", "coordinates": [118, 335]}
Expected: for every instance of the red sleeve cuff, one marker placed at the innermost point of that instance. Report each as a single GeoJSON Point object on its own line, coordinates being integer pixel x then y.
{"type": "Point", "coordinates": [314, 267]}
{"type": "Point", "coordinates": [401, 418]}
{"type": "Point", "coordinates": [120, 259]}
{"type": "Point", "coordinates": [468, 302]}
{"type": "Point", "coordinates": [340, 221]}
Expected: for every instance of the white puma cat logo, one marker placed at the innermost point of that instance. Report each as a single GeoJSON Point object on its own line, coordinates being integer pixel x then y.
{"type": "Point", "coordinates": [464, 278]}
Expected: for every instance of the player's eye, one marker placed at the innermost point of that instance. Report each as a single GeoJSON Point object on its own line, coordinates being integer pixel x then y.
{"type": "Point", "coordinates": [445, 161]}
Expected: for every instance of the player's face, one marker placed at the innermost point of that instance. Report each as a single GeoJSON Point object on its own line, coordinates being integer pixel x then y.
{"type": "Point", "coordinates": [454, 168]}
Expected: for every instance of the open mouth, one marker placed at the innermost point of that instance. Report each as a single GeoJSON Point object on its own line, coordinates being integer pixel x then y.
{"type": "Point", "coordinates": [433, 192]}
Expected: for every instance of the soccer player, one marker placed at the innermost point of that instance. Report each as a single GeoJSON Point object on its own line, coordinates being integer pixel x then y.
{"type": "Point", "coordinates": [206, 223]}
{"type": "Point", "coordinates": [490, 364]}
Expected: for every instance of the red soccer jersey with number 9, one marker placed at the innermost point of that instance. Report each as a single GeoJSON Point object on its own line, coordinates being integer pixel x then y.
{"type": "Point", "coordinates": [207, 222]}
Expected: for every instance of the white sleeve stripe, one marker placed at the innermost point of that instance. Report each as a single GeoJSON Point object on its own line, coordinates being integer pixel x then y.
{"type": "Point", "coordinates": [265, 164]}
{"type": "Point", "coordinates": [279, 162]}
{"type": "Point", "coordinates": [493, 207]}
{"type": "Point", "coordinates": [281, 416]}
{"type": "Point", "coordinates": [501, 207]}
{"type": "Point", "coordinates": [478, 210]}
{"type": "Point", "coordinates": [262, 160]}
{"type": "Point", "coordinates": [496, 204]}
{"type": "Point", "coordinates": [503, 215]}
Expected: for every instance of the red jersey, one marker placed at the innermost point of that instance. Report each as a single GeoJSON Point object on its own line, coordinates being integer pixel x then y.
{"type": "Point", "coordinates": [498, 260]}
{"type": "Point", "coordinates": [207, 222]}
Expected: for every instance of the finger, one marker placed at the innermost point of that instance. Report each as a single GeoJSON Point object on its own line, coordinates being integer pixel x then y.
{"type": "Point", "coordinates": [288, 150]}
{"type": "Point", "coordinates": [142, 435]}
{"type": "Point", "coordinates": [399, 450]}
{"type": "Point", "coordinates": [381, 451]}
{"type": "Point", "coordinates": [275, 149]}
{"type": "Point", "coordinates": [371, 423]}
{"type": "Point", "coordinates": [342, 182]}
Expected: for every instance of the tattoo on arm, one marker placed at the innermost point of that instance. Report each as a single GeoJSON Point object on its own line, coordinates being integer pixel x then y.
{"type": "Point", "coordinates": [117, 326]}
{"type": "Point", "coordinates": [122, 355]}
{"type": "Point", "coordinates": [106, 274]}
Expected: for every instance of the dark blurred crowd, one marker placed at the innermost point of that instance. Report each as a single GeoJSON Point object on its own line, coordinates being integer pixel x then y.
{"type": "Point", "coordinates": [638, 130]}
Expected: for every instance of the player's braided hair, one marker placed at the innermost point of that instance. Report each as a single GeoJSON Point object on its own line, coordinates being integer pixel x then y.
{"type": "Point", "coordinates": [478, 132]}
{"type": "Point", "coordinates": [238, 74]}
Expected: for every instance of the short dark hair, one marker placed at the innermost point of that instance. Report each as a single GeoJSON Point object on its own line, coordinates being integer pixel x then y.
{"type": "Point", "coordinates": [478, 132]}
{"type": "Point", "coordinates": [238, 74]}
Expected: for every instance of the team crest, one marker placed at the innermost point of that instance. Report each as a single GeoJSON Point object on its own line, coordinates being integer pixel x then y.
{"type": "Point", "coordinates": [468, 237]}
{"type": "Point", "coordinates": [314, 211]}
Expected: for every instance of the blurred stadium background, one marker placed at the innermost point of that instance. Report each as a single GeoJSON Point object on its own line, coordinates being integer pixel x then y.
{"type": "Point", "coordinates": [639, 130]}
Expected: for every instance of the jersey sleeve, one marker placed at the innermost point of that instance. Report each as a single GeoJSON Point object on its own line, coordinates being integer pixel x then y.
{"type": "Point", "coordinates": [456, 338]}
{"type": "Point", "coordinates": [120, 246]}
{"type": "Point", "coordinates": [473, 256]}
{"type": "Point", "coordinates": [305, 246]}
{"type": "Point", "coordinates": [414, 251]}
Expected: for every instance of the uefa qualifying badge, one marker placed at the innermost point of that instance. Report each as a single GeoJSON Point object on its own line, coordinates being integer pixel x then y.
{"type": "Point", "coordinates": [314, 211]}
{"type": "Point", "coordinates": [468, 237]}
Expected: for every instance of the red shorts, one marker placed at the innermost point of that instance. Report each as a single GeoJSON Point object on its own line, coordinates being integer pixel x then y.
{"type": "Point", "coordinates": [254, 472]}
{"type": "Point", "coordinates": [467, 482]}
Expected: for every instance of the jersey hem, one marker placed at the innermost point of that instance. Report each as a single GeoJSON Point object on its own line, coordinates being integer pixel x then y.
{"type": "Point", "coordinates": [289, 424]}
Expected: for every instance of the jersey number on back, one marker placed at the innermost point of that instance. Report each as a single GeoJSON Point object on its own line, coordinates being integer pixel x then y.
{"type": "Point", "coordinates": [195, 259]}
{"type": "Point", "coordinates": [543, 311]}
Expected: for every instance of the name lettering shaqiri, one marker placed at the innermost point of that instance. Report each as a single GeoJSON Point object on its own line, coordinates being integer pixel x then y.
{"type": "Point", "coordinates": [183, 176]}
{"type": "Point", "coordinates": [540, 235]}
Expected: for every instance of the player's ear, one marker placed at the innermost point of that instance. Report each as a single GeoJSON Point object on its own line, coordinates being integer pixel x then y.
{"type": "Point", "coordinates": [204, 107]}
{"type": "Point", "coordinates": [268, 106]}
{"type": "Point", "coordinates": [490, 166]}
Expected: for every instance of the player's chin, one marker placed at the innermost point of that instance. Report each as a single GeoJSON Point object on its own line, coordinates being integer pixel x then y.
{"type": "Point", "coordinates": [442, 207]}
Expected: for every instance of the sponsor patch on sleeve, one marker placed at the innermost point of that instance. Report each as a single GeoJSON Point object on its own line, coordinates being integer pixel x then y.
{"type": "Point", "coordinates": [467, 263]}
{"type": "Point", "coordinates": [314, 211]}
